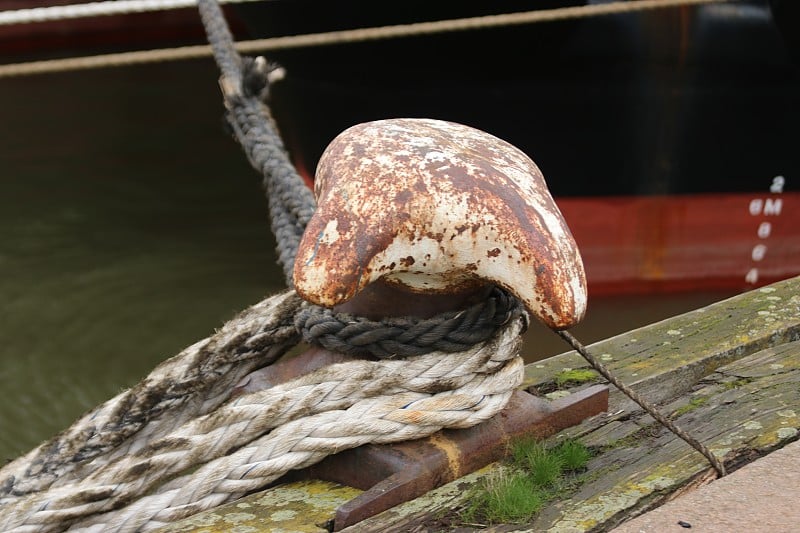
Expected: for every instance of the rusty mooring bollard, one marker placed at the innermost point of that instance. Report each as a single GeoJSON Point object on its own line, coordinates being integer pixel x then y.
{"type": "Point", "coordinates": [435, 207]}
{"type": "Point", "coordinates": [416, 217]}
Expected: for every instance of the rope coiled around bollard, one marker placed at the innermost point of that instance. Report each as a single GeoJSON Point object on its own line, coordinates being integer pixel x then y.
{"type": "Point", "coordinates": [248, 442]}
{"type": "Point", "coordinates": [454, 331]}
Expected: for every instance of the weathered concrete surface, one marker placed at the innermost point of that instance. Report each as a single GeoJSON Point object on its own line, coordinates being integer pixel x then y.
{"type": "Point", "coordinates": [761, 496]}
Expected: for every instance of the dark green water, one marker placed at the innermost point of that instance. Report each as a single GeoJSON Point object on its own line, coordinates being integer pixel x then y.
{"type": "Point", "coordinates": [131, 226]}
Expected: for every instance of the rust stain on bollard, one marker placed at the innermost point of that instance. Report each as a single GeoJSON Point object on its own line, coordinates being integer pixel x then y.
{"type": "Point", "coordinates": [393, 474]}
{"type": "Point", "coordinates": [437, 207]}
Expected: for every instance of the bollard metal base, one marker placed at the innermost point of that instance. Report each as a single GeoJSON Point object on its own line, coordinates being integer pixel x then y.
{"type": "Point", "coordinates": [395, 473]}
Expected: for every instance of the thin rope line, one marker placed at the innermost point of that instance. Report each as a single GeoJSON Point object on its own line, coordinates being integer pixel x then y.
{"type": "Point", "coordinates": [96, 9]}
{"type": "Point", "coordinates": [341, 37]}
{"type": "Point", "coordinates": [651, 409]}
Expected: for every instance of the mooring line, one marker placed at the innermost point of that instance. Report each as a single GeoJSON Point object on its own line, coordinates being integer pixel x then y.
{"type": "Point", "coordinates": [343, 36]}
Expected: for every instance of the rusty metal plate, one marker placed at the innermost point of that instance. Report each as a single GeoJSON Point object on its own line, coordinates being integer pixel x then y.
{"type": "Point", "coordinates": [396, 473]}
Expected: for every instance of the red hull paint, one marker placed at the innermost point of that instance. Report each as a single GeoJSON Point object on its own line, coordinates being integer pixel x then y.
{"type": "Point", "coordinates": [695, 242]}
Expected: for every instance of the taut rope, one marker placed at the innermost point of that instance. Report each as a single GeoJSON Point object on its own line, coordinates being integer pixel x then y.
{"type": "Point", "coordinates": [95, 9]}
{"type": "Point", "coordinates": [643, 403]}
{"type": "Point", "coordinates": [344, 36]}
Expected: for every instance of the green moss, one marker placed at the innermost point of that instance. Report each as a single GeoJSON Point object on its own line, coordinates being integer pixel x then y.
{"type": "Point", "coordinates": [693, 404]}
{"type": "Point", "coordinates": [577, 376]}
{"type": "Point", "coordinates": [534, 476]}
{"type": "Point", "coordinates": [728, 385]}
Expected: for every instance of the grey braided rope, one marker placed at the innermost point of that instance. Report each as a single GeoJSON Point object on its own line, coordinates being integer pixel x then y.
{"type": "Point", "coordinates": [454, 331]}
{"type": "Point", "coordinates": [291, 203]}
{"type": "Point", "coordinates": [221, 40]}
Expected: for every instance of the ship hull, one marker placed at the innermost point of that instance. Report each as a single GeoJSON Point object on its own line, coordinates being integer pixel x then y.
{"type": "Point", "coordinates": [659, 133]}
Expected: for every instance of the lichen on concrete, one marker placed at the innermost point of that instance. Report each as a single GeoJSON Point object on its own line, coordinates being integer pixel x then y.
{"type": "Point", "coordinates": [296, 507]}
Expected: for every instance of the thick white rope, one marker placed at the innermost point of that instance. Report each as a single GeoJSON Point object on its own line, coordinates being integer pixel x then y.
{"type": "Point", "coordinates": [96, 9]}
{"type": "Point", "coordinates": [343, 36]}
{"type": "Point", "coordinates": [289, 426]}
{"type": "Point", "coordinates": [192, 383]}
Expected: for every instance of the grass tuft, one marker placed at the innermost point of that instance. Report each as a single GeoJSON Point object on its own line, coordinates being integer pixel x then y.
{"type": "Point", "coordinates": [574, 456]}
{"type": "Point", "coordinates": [513, 498]}
{"type": "Point", "coordinates": [535, 476]}
{"type": "Point", "coordinates": [542, 466]}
